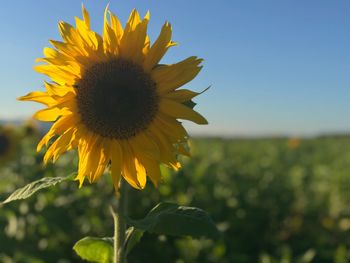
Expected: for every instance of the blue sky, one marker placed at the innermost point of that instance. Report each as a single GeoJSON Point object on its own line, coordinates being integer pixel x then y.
{"type": "Point", "coordinates": [276, 67]}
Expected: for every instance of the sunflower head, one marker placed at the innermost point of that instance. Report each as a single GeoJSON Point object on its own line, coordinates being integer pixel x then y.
{"type": "Point", "coordinates": [30, 128]}
{"type": "Point", "coordinates": [293, 143]}
{"type": "Point", "coordinates": [8, 144]}
{"type": "Point", "coordinates": [111, 99]}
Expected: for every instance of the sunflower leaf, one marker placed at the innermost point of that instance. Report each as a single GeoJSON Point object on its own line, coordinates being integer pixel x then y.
{"type": "Point", "coordinates": [33, 187]}
{"type": "Point", "coordinates": [133, 236]}
{"type": "Point", "coordinates": [95, 249]}
{"type": "Point", "coordinates": [172, 219]}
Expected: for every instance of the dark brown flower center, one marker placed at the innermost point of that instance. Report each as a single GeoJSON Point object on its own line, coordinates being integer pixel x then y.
{"type": "Point", "coordinates": [4, 144]}
{"type": "Point", "coordinates": [116, 99]}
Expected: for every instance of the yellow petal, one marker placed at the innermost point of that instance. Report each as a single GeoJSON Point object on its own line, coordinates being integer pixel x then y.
{"type": "Point", "coordinates": [86, 16]}
{"type": "Point", "coordinates": [94, 158]}
{"type": "Point", "coordinates": [116, 166]}
{"type": "Point", "coordinates": [55, 57]}
{"type": "Point", "coordinates": [142, 143]}
{"type": "Point", "coordinates": [181, 95]}
{"type": "Point", "coordinates": [49, 114]}
{"type": "Point", "coordinates": [171, 77]}
{"type": "Point", "coordinates": [61, 144]}
{"type": "Point", "coordinates": [159, 48]}
{"type": "Point", "coordinates": [53, 112]}
{"type": "Point", "coordinates": [92, 42]}
{"type": "Point", "coordinates": [146, 46]}
{"type": "Point", "coordinates": [110, 40]}
{"type": "Point", "coordinates": [116, 26]}
{"type": "Point", "coordinates": [66, 48]}
{"type": "Point", "coordinates": [90, 158]}
{"type": "Point", "coordinates": [62, 75]}
{"type": "Point", "coordinates": [83, 151]}
{"type": "Point", "coordinates": [61, 62]}
{"type": "Point", "coordinates": [85, 33]}
{"type": "Point", "coordinates": [171, 127]}
{"type": "Point", "coordinates": [52, 53]}
{"type": "Point", "coordinates": [180, 111]}
{"type": "Point", "coordinates": [38, 96]}
{"type": "Point", "coordinates": [167, 151]}
{"type": "Point", "coordinates": [59, 127]}
{"type": "Point", "coordinates": [68, 33]}
{"type": "Point", "coordinates": [154, 173]}
{"type": "Point", "coordinates": [58, 90]}
{"type": "Point", "coordinates": [103, 156]}
{"type": "Point", "coordinates": [132, 171]}
{"type": "Point", "coordinates": [141, 173]}
{"type": "Point", "coordinates": [133, 21]}
{"type": "Point", "coordinates": [153, 170]}
{"type": "Point", "coordinates": [133, 40]}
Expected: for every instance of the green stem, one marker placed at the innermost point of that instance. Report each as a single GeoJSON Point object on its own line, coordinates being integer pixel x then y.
{"type": "Point", "coordinates": [120, 225]}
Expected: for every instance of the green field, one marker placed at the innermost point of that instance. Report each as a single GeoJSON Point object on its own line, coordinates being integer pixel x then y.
{"type": "Point", "coordinates": [274, 200]}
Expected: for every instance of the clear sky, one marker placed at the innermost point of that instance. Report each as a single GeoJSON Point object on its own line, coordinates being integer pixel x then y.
{"type": "Point", "coordinates": [275, 66]}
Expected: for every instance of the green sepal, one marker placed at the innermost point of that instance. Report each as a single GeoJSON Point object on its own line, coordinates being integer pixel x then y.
{"type": "Point", "coordinates": [190, 103]}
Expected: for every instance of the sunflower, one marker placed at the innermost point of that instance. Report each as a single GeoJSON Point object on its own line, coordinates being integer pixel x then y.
{"type": "Point", "coordinates": [8, 144]}
{"type": "Point", "coordinates": [111, 99]}
{"type": "Point", "coordinates": [30, 128]}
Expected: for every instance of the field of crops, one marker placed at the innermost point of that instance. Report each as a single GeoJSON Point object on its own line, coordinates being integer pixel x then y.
{"type": "Point", "coordinates": [274, 200]}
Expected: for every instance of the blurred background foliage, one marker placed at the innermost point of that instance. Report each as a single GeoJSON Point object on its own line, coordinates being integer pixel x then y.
{"type": "Point", "coordinates": [274, 200]}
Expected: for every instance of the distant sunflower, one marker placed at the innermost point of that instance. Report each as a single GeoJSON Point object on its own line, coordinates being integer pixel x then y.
{"type": "Point", "coordinates": [30, 128]}
{"type": "Point", "coordinates": [111, 99]}
{"type": "Point", "coordinates": [8, 144]}
{"type": "Point", "coordinates": [293, 143]}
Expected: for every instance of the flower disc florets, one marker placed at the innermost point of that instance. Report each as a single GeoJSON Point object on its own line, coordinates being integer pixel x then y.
{"type": "Point", "coordinates": [116, 99]}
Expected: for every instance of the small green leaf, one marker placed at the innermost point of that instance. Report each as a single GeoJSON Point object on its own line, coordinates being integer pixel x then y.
{"type": "Point", "coordinates": [133, 236]}
{"type": "Point", "coordinates": [190, 103]}
{"type": "Point", "coordinates": [172, 219]}
{"type": "Point", "coordinates": [95, 249]}
{"type": "Point", "coordinates": [33, 187]}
